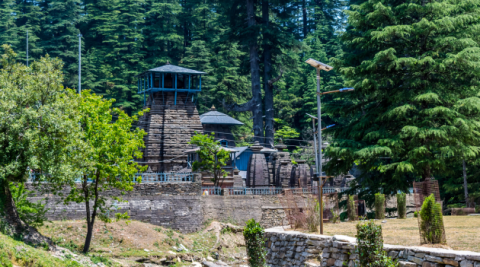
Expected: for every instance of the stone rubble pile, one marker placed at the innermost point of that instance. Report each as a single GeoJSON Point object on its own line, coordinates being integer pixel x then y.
{"type": "Point", "coordinates": [292, 248]}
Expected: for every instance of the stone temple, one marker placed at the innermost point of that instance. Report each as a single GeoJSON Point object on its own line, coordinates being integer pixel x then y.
{"type": "Point", "coordinates": [171, 93]}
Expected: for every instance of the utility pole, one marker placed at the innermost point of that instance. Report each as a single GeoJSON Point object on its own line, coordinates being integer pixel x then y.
{"type": "Point", "coordinates": [320, 183]}
{"type": "Point", "coordinates": [27, 48]}
{"type": "Point", "coordinates": [79, 63]}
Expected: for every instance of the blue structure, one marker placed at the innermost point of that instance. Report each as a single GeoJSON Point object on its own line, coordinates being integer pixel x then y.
{"type": "Point", "coordinates": [169, 78]}
{"type": "Point", "coordinates": [243, 155]}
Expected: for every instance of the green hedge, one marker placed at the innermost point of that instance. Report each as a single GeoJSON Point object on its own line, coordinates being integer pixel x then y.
{"type": "Point", "coordinates": [370, 246]}
{"type": "Point", "coordinates": [402, 205]}
{"type": "Point", "coordinates": [255, 243]}
{"type": "Point", "coordinates": [379, 206]}
{"type": "Point", "coordinates": [432, 230]}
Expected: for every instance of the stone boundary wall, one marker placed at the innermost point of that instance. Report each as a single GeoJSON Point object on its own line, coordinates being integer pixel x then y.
{"type": "Point", "coordinates": [237, 209]}
{"type": "Point", "coordinates": [172, 205]}
{"type": "Point", "coordinates": [292, 248]}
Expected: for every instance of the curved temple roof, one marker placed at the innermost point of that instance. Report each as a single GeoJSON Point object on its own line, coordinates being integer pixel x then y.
{"type": "Point", "coordinates": [215, 117]}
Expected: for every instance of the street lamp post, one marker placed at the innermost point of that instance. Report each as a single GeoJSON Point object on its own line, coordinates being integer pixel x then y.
{"type": "Point", "coordinates": [79, 63]}
{"type": "Point", "coordinates": [321, 66]}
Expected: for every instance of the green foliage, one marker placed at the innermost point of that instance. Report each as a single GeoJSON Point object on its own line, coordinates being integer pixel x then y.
{"type": "Point", "coordinates": [109, 156]}
{"type": "Point", "coordinates": [477, 209]}
{"type": "Point", "coordinates": [415, 106]}
{"type": "Point", "coordinates": [287, 132]}
{"type": "Point", "coordinates": [213, 157]}
{"type": "Point", "coordinates": [255, 243]}
{"type": "Point", "coordinates": [32, 213]}
{"type": "Point", "coordinates": [38, 127]}
{"type": "Point", "coordinates": [370, 246]}
{"type": "Point", "coordinates": [351, 209]}
{"type": "Point", "coordinates": [379, 206]}
{"type": "Point", "coordinates": [415, 214]}
{"type": "Point", "coordinates": [402, 205]}
{"type": "Point", "coordinates": [432, 229]}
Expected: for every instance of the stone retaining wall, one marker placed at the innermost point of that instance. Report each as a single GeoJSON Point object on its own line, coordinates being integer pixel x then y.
{"type": "Point", "coordinates": [291, 248]}
{"type": "Point", "coordinates": [172, 205]}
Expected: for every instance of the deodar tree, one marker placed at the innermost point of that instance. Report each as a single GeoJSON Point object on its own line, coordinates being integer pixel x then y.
{"type": "Point", "coordinates": [39, 131]}
{"type": "Point", "coordinates": [112, 145]}
{"type": "Point", "coordinates": [415, 67]}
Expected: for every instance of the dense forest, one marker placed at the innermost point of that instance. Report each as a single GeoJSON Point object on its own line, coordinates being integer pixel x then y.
{"type": "Point", "coordinates": [414, 65]}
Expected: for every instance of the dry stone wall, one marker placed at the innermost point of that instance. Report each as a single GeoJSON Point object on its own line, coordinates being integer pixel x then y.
{"type": "Point", "coordinates": [291, 248]}
{"type": "Point", "coordinates": [172, 205]}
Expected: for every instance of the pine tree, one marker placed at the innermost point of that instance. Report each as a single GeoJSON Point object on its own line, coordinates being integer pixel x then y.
{"type": "Point", "coordinates": [415, 71]}
{"type": "Point", "coordinates": [59, 35]}
{"type": "Point", "coordinates": [198, 57]}
{"type": "Point", "coordinates": [8, 26]}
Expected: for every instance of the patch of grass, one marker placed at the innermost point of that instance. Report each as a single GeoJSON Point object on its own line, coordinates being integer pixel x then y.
{"type": "Point", "coordinates": [158, 229]}
{"type": "Point", "coordinates": [100, 259]}
{"type": "Point", "coordinates": [18, 253]}
{"type": "Point", "coordinates": [461, 232]}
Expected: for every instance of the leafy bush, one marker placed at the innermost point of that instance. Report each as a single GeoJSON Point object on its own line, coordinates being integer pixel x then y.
{"type": "Point", "coordinates": [351, 209]}
{"type": "Point", "coordinates": [402, 205]}
{"type": "Point", "coordinates": [31, 213]}
{"type": "Point", "coordinates": [477, 209]}
{"type": "Point", "coordinates": [432, 230]}
{"type": "Point", "coordinates": [415, 214]}
{"type": "Point", "coordinates": [379, 206]}
{"type": "Point", "coordinates": [370, 246]}
{"type": "Point", "coordinates": [255, 241]}
{"type": "Point", "coordinates": [335, 217]}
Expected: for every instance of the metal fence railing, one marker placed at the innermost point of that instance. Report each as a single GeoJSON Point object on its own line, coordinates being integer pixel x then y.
{"type": "Point", "coordinates": [210, 190]}
{"type": "Point", "coordinates": [150, 177]}
{"type": "Point", "coordinates": [163, 177]}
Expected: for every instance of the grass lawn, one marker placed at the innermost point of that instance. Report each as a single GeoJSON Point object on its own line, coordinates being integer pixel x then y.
{"type": "Point", "coordinates": [463, 232]}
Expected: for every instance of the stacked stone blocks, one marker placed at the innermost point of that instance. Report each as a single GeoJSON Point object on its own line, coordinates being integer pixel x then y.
{"type": "Point", "coordinates": [291, 248]}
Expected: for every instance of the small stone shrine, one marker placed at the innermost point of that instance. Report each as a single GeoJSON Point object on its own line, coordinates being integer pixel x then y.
{"type": "Point", "coordinates": [171, 94]}
{"type": "Point", "coordinates": [221, 124]}
{"type": "Point", "coordinates": [257, 169]}
{"type": "Point", "coordinates": [282, 164]}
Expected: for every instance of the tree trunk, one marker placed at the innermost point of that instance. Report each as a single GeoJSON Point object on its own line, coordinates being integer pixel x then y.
{"type": "Point", "coordinates": [426, 173]}
{"type": "Point", "coordinates": [15, 225]}
{"type": "Point", "coordinates": [304, 10]}
{"type": "Point", "coordinates": [90, 219]}
{"type": "Point", "coordinates": [465, 184]}
{"type": "Point", "coordinates": [255, 76]}
{"type": "Point", "coordinates": [267, 63]}
{"type": "Point", "coordinates": [11, 213]}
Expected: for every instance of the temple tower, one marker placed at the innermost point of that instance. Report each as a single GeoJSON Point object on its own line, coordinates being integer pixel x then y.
{"type": "Point", "coordinates": [171, 94]}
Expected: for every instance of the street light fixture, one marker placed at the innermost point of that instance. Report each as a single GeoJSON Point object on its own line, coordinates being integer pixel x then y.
{"type": "Point", "coordinates": [320, 183]}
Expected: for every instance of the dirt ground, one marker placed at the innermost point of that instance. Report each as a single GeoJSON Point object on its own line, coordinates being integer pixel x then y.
{"type": "Point", "coordinates": [463, 232]}
{"type": "Point", "coordinates": [137, 242]}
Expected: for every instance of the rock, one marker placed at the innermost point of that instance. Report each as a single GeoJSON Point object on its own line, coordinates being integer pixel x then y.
{"type": "Point", "coordinates": [384, 221]}
{"type": "Point", "coordinates": [210, 259]}
{"type": "Point", "coordinates": [171, 252]}
{"type": "Point", "coordinates": [183, 247]}
{"type": "Point", "coordinates": [146, 250]}
{"type": "Point", "coordinates": [196, 264]}
{"type": "Point", "coordinates": [407, 264]}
